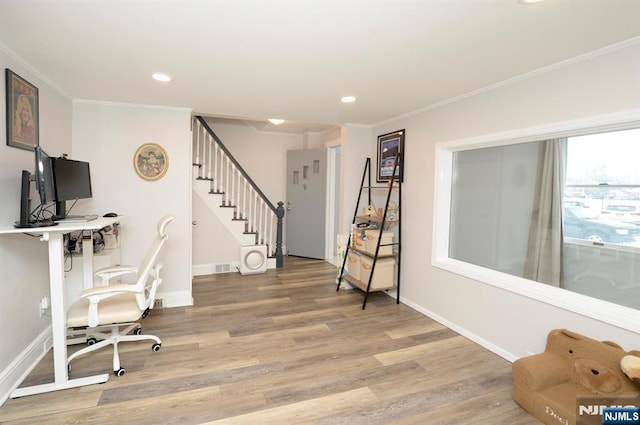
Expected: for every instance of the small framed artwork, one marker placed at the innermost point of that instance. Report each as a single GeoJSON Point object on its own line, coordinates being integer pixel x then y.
{"type": "Point", "coordinates": [22, 112]}
{"type": "Point", "coordinates": [390, 149]}
{"type": "Point", "coordinates": [151, 162]}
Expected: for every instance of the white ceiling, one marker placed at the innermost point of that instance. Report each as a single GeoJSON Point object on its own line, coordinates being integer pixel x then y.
{"type": "Point", "coordinates": [294, 59]}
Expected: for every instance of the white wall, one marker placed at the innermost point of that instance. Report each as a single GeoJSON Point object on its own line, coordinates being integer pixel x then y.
{"type": "Point", "coordinates": [212, 242]}
{"type": "Point", "coordinates": [358, 144]}
{"type": "Point", "coordinates": [108, 135]}
{"type": "Point", "coordinates": [510, 324]}
{"type": "Point", "coordinates": [24, 272]}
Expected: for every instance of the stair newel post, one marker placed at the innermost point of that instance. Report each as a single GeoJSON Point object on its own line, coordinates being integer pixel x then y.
{"type": "Point", "coordinates": [280, 216]}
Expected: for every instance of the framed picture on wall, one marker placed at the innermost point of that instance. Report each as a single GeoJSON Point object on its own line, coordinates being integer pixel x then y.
{"type": "Point", "coordinates": [151, 162]}
{"type": "Point", "coordinates": [22, 112]}
{"type": "Point", "coordinates": [390, 150]}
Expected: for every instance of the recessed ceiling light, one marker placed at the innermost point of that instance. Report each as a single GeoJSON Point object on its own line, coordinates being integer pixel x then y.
{"type": "Point", "coordinates": [348, 99]}
{"type": "Point", "coordinates": [276, 121]}
{"type": "Point", "coordinates": [526, 2]}
{"type": "Point", "coordinates": [161, 77]}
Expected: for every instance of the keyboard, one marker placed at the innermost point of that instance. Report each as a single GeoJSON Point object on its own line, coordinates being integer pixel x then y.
{"type": "Point", "coordinates": [78, 218]}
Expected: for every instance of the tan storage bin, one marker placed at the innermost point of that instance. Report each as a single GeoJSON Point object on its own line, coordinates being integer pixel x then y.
{"type": "Point", "coordinates": [371, 240]}
{"type": "Point", "coordinates": [353, 265]}
{"type": "Point", "coordinates": [382, 275]}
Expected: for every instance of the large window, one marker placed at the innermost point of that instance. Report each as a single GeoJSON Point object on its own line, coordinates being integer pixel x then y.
{"type": "Point", "coordinates": [602, 217]}
{"type": "Point", "coordinates": [562, 210]}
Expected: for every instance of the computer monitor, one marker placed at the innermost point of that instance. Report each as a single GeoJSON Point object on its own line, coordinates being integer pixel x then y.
{"type": "Point", "coordinates": [43, 178]}
{"type": "Point", "coordinates": [72, 181]}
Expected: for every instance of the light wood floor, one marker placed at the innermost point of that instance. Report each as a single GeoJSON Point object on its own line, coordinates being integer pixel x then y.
{"type": "Point", "coordinates": [284, 348]}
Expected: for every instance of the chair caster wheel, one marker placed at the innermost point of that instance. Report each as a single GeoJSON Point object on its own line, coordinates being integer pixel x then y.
{"type": "Point", "coordinates": [138, 331]}
{"type": "Point", "coordinates": [91, 340]}
{"type": "Point", "coordinates": [120, 372]}
{"type": "Point", "coordinates": [156, 347]}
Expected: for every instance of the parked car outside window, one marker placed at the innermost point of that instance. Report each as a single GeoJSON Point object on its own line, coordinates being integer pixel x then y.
{"type": "Point", "coordinates": [621, 212]}
{"type": "Point", "coordinates": [578, 223]}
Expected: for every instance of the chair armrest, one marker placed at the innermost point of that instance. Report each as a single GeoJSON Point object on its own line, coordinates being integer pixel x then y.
{"type": "Point", "coordinates": [540, 371]}
{"type": "Point", "coordinates": [99, 293]}
{"type": "Point", "coordinates": [108, 273]}
{"type": "Point", "coordinates": [108, 291]}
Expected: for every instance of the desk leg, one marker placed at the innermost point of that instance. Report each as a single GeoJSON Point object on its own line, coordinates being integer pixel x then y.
{"type": "Point", "coordinates": [87, 259]}
{"type": "Point", "coordinates": [59, 327]}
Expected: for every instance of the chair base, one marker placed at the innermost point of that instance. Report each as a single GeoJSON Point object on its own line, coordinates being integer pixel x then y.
{"type": "Point", "coordinates": [97, 338]}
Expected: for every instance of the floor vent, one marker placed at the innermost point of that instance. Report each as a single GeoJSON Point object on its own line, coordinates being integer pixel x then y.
{"type": "Point", "coordinates": [158, 303]}
{"type": "Point", "coordinates": [223, 268]}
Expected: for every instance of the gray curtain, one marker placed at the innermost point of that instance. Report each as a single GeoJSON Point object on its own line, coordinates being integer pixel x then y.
{"type": "Point", "coordinates": [544, 252]}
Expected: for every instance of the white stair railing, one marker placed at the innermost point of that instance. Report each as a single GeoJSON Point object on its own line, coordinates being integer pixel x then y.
{"type": "Point", "coordinates": [238, 190]}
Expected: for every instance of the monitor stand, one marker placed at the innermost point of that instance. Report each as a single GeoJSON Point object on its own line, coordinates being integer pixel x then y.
{"type": "Point", "coordinates": [25, 206]}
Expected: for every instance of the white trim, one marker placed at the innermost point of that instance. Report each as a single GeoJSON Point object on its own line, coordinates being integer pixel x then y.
{"type": "Point", "coordinates": [24, 363]}
{"type": "Point", "coordinates": [617, 315]}
{"type": "Point", "coordinates": [130, 105]}
{"type": "Point", "coordinates": [616, 121]}
{"type": "Point", "coordinates": [33, 70]}
{"type": "Point", "coordinates": [175, 299]}
{"type": "Point", "coordinates": [576, 59]}
{"type": "Point", "coordinates": [333, 170]}
{"type": "Point", "coordinates": [462, 331]}
{"type": "Point", "coordinates": [203, 269]}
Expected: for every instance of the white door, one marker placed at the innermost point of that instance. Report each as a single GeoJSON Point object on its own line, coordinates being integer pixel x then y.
{"type": "Point", "coordinates": [305, 215]}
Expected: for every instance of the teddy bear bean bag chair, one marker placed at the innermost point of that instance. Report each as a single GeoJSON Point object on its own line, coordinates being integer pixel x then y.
{"type": "Point", "coordinates": [548, 385]}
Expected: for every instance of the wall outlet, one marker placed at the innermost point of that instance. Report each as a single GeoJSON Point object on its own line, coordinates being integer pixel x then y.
{"type": "Point", "coordinates": [44, 305]}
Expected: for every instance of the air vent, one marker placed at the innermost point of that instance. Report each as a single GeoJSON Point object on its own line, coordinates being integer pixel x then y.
{"type": "Point", "coordinates": [223, 268]}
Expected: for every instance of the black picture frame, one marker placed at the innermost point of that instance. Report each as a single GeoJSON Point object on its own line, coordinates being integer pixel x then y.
{"type": "Point", "coordinates": [22, 112]}
{"type": "Point", "coordinates": [390, 147]}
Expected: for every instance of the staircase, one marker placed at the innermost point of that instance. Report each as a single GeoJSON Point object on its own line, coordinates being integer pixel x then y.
{"type": "Point", "coordinates": [227, 189]}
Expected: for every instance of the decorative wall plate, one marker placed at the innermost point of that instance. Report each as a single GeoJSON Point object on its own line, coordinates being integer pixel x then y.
{"type": "Point", "coordinates": [151, 161]}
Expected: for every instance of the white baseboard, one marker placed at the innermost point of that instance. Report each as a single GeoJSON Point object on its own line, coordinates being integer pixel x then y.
{"type": "Point", "coordinates": [22, 365]}
{"type": "Point", "coordinates": [464, 332]}
{"type": "Point", "coordinates": [175, 299]}
{"type": "Point", "coordinates": [202, 269]}
{"type": "Point", "coordinates": [231, 267]}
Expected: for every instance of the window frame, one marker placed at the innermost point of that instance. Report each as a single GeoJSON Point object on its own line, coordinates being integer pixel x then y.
{"type": "Point", "coordinates": [607, 312]}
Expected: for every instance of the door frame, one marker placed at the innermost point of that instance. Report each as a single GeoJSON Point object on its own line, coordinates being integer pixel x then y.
{"type": "Point", "coordinates": [334, 155]}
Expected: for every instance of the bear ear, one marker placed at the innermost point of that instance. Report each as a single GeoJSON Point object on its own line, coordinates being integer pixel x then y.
{"type": "Point", "coordinates": [612, 344]}
{"type": "Point", "coordinates": [630, 365]}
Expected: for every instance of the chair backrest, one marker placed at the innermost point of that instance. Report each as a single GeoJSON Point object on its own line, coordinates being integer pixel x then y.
{"type": "Point", "coordinates": [148, 271]}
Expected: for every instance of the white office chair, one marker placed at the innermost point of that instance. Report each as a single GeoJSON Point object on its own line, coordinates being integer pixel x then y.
{"type": "Point", "coordinates": [109, 312]}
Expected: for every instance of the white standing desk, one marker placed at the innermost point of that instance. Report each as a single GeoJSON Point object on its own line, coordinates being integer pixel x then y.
{"type": "Point", "coordinates": [53, 235]}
